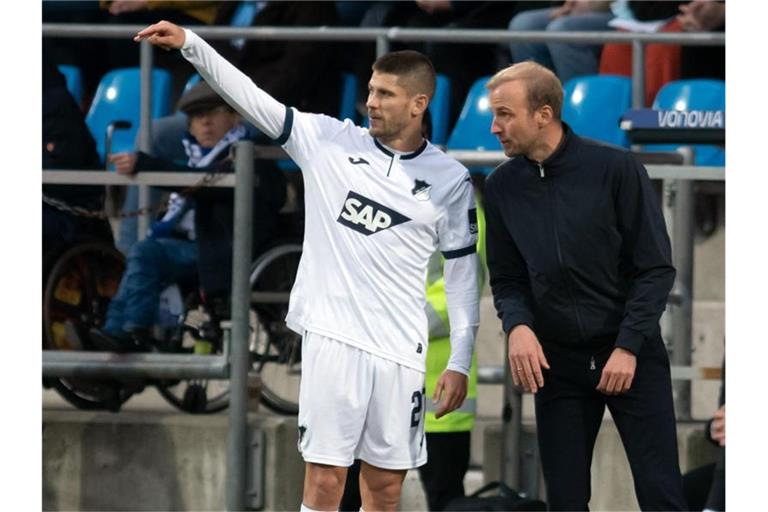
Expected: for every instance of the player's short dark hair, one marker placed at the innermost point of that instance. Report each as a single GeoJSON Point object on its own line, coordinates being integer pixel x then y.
{"type": "Point", "coordinates": [414, 69]}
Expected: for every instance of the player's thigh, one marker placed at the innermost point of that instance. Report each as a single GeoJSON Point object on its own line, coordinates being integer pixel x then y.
{"type": "Point", "coordinates": [393, 437]}
{"type": "Point", "coordinates": [336, 381]}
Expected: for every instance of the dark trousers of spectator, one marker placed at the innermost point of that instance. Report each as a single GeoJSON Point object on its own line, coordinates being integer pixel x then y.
{"type": "Point", "coordinates": [442, 476]}
{"type": "Point", "coordinates": [214, 224]}
{"type": "Point", "coordinates": [569, 412]}
{"type": "Point", "coordinates": [705, 486]}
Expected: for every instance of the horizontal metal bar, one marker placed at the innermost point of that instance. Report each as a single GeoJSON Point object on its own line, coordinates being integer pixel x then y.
{"type": "Point", "coordinates": [685, 172]}
{"type": "Point", "coordinates": [468, 158]}
{"type": "Point", "coordinates": [495, 374]}
{"type": "Point", "coordinates": [159, 178]}
{"type": "Point", "coordinates": [82, 364]}
{"type": "Point", "coordinates": [393, 34]}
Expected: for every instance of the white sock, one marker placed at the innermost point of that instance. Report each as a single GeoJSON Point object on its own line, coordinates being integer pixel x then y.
{"type": "Point", "coordinates": [305, 508]}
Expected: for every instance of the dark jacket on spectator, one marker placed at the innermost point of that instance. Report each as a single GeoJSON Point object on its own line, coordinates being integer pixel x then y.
{"type": "Point", "coordinates": [577, 247]}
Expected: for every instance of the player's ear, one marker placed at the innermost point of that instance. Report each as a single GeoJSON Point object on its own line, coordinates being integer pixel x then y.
{"type": "Point", "coordinates": [419, 104]}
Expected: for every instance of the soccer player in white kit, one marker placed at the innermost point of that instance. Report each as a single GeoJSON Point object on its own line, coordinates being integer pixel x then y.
{"type": "Point", "coordinates": [378, 203]}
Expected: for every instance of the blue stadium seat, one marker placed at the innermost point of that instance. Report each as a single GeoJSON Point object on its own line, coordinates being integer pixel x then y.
{"type": "Point", "coordinates": [118, 99]}
{"type": "Point", "coordinates": [473, 128]}
{"type": "Point", "coordinates": [191, 82]}
{"type": "Point", "coordinates": [440, 109]}
{"type": "Point", "coordinates": [74, 79]}
{"type": "Point", "coordinates": [696, 94]}
{"type": "Point", "coordinates": [593, 106]}
{"type": "Point", "coordinates": [348, 97]}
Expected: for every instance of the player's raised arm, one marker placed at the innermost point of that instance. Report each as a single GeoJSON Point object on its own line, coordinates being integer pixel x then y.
{"type": "Point", "coordinates": [237, 89]}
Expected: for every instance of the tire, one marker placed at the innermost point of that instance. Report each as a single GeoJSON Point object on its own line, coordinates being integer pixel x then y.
{"type": "Point", "coordinates": [275, 349]}
{"type": "Point", "coordinates": [195, 396]}
{"type": "Point", "coordinates": [75, 299]}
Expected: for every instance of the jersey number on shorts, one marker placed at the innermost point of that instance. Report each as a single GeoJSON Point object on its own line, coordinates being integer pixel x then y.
{"type": "Point", "coordinates": [417, 400]}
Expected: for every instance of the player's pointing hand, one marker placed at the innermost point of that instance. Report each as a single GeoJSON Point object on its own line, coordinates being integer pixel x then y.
{"type": "Point", "coordinates": [164, 34]}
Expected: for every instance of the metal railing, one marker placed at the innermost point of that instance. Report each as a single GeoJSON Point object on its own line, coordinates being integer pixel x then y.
{"type": "Point", "coordinates": [235, 364]}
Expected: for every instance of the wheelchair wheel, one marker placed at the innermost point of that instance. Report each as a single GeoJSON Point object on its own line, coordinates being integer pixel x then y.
{"type": "Point", "coordinates": [275, 349]}
{"type": "Point", "coordinates": [196, 396]}
{"type": "Point", "coordinates": [76, 295]}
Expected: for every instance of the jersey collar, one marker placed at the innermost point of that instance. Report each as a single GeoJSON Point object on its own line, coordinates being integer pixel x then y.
{"type": "Point", "coordinates": [403, 156]}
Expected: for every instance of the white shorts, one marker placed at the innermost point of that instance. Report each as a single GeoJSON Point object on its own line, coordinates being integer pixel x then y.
{"type": "Point", "coordinates": [355, 405]}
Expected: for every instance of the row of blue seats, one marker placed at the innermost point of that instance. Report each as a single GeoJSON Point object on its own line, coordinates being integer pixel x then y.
{"type": "Point", "coordinates": [592, 106]}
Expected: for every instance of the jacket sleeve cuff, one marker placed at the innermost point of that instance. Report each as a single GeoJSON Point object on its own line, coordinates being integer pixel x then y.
{"type": "Point", "coordinates": [631, 340]}
{"type": "Point", "coordinates": [511, 321]}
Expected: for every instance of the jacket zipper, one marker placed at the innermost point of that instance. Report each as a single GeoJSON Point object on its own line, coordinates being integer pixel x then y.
{"type": "Point", "coordinates": [592, 363]}
{"type": "Point", "coordinates": [560, 253]}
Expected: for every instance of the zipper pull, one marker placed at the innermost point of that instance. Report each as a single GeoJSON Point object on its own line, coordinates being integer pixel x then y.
{"type": "Point", "coordinates": [592, 363]}
{"type": "Point", "coordinates": [541, 171]}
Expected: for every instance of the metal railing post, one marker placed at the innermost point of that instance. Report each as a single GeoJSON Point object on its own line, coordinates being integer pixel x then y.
{"type": "Point", "coordinates": [679, 205]}
{"type": "Point", "coordinates": [145, 128]}
{"type": "Point", "coordinates": [240, 362]}
{"type": "Point", "coordinates": [382, 46]}
{"type": "Point", "coordinates": [638, 74]}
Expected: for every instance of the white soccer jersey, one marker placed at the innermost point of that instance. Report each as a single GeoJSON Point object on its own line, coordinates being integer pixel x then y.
{"type": "Point", "coordinates": [373, 219]}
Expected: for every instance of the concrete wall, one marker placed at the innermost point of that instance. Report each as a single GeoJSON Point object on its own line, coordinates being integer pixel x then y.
{"type": "Point", "coordinates": [140, 461]}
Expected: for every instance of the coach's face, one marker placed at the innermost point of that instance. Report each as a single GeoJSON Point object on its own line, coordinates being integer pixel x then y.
{"type": "Point", "coordinates": [517, 128]}
{"type": "Point", "coordinates": [390, 106]}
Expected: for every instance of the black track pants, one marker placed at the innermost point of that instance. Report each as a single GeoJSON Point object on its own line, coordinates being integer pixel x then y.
{"type": "Point", "coordinates": [569, 411]}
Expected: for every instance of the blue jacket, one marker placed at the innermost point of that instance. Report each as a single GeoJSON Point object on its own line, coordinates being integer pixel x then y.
{"type": "Point", "coordinates": [577, 247]}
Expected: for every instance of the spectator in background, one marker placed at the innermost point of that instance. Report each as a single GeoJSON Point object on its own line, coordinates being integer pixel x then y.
{"type": "Point", "coordinates": [662, 61]}
{"type": "Point", "coordinates": [703, 61]}
{"type": "Point", "coordinates": [170, 253]}
{"type": "Point", "coordinates": [67, 144]}
{"type": "Point", "coordinates": [705, 486]}
{"type": "Point", "coordinates": [567, 60]}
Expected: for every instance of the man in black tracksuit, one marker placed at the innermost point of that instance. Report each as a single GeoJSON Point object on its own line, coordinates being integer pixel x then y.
{"type": "Point", "coordinates": [580, 270]}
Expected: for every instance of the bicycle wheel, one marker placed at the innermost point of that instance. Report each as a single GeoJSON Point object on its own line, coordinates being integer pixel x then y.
{"type": "Point", "coordinates": [196, 396]}
{"type": "Point", "coordinates": [275, 349]}
{"type": "Point", "coordinates": [76, 296]}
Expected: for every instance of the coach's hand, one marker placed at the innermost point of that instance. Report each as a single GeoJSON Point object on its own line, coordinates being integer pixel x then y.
{"type": "Point", "coordinates": [450, 392]}
{"type": "Point", "coordinates": [618, 372]}
{"type": "Point", "coordinates": [526, 359]}
{"type": "Point", "coordinates": [164, 34]}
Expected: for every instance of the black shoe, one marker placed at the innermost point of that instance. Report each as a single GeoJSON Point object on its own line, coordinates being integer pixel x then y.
{"type": "Point", "coordinates": [136, 341]}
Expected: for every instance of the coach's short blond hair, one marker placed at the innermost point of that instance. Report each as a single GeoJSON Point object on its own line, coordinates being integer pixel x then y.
{"type": "Point", "coordinates": [541, 85]}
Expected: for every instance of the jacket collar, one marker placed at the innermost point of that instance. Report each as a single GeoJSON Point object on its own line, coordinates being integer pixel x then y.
{"type": "Point", "coordinates": [560, 155]}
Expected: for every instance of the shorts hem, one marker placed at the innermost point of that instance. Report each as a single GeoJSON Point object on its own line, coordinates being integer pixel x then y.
{"type": "Point", "coordinates": [394, 465]}
{"type": "Point", "coordinates": [328, 461]}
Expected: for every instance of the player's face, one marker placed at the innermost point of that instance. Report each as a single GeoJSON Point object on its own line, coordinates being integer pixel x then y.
{"type": "Point", "coordinates": [389, 106]}
{"type": "Point", "coordinates": [209, 126]}
{"type": "Point", "coordinates": [516, 127]}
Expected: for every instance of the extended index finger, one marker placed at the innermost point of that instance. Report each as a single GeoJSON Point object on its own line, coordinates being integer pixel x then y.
{"type": "Point", "coordinates": [150, 30]}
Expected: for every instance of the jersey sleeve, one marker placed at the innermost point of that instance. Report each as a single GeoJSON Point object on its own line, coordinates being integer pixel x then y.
{"type": "Point", "coordinates": [307, 134]}
{"type": "Point", "coordinates": [457, 227]}
{"type": "Point", "coordinates": [238, 90]}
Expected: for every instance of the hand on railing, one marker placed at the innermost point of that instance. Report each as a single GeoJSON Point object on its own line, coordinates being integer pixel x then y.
{"type": "Point", "coordinates": [164, 34]}
{"type": "Point", "coordinates": [125, 162]}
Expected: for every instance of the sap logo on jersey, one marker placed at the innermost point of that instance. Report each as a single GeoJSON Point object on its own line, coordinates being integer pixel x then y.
{"type": "Point", "coordinates": [366, 216]}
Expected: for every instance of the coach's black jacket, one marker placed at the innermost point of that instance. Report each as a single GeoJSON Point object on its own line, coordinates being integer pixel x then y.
{"type": "Point", "coordinates": [577, 247]}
